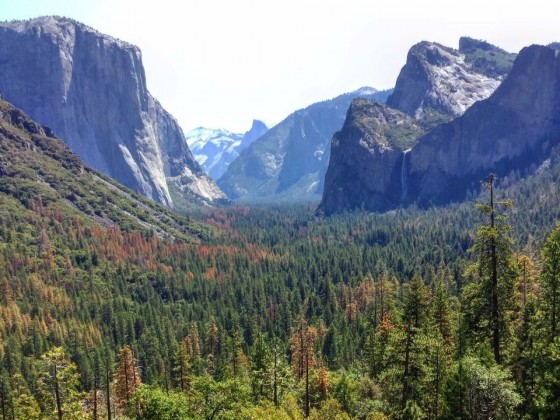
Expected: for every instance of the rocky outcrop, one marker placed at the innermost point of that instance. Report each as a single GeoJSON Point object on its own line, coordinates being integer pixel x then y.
{"type": "Point", "coordinates": [368, 158]}
{"type": "Point", "coordinates": [438, 83]}
{"type": "Point", "coordinates": [289, 162]}
{"type": "Point", "coordinates": [513, 129]}
{"type": "Point", "coordinates": [91, 89]}
{"type": "Point", "coordinates": [216, 149]}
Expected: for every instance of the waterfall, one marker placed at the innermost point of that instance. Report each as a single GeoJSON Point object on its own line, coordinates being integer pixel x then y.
{"type": "Point", "coordinates": [404, 186]}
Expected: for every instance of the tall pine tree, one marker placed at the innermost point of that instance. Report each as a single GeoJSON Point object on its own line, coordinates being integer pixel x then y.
{"type": "Point", "coordinates": [489, 300]}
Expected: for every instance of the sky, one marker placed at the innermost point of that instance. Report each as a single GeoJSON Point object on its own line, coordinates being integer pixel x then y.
{"type": "Point", "coordinates": [222, 63]}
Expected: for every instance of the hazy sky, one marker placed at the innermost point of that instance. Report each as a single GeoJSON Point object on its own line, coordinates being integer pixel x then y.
{"type": "Point", "coordinates": [221, 63]}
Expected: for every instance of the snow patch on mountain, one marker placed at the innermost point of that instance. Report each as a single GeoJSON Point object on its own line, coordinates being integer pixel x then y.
{"type": "Point", "coordinates": [366, 90]}
{"type": "Point", "coordinates": [215, 149]}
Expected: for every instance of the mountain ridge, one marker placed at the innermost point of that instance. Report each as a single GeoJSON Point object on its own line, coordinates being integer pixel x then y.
{"type": "Point", "coordinates": [37, 167]}
{"type": "Point", "coordinates": [289, 162]}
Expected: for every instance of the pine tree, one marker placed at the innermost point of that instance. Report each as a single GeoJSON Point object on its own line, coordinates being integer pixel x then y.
{"type": "Point", "coordinates": [182, 369]}
{"type": "Point", "coordinates": [441, 314]}
{"type": "Point", "coordinates": [489, 301]}
{"type": "Point", "coordinates": [212, 343]}
{"type": "Point", "coordinates": [281, 378]}
{"type": "Point", "coordinates": [3, 398]}
{"type": "Point", "coordinates": [237, 360]}
{"type": "Point", "coordinates": [108, 392]}
{"type": "Point", "coordinates": [260, 368]}
{"type": "Point", "coordinates": [376, 345]}
{"type": "Point", "coordinates": [548, 382]}
{"type": "Point", "coordinates": [414, 314]}
{"type": "Point", "coordinates": [192, 347]}
{"type": "Point", "coordinates": [323, 382]}
{"type": "Point", "coordinates": [303, 344]}
{"type": "Point", "coordinates": [25, 406]}
{"type": "Point", "coordinates": [439, 349]}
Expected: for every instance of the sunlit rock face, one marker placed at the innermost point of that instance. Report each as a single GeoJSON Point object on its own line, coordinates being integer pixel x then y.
{"type": "Point", "coordinates": [91, 89]}
{"type": "Point", "coordinates": [439, 82]}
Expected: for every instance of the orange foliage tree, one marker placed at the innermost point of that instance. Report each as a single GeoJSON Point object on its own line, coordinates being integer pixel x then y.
{"type": "Point", "coordinates": [127, 377]}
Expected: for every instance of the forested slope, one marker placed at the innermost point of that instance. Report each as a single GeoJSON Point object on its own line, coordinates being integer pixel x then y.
{"type": "Point", "coordinates": [276, 312]}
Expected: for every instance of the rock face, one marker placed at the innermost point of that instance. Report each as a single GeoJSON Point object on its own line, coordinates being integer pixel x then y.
{"type": "Point", "coordinates": [289, 162]}
{"type": "Point", "coordinates": [438, 83]}
{"type": "Point", "coordinates": [91, 89]}
{"type": "Point", "coordinates": [216, 149]}
{"type": "Point", "coordinates": [513, 129]}
{"type": "Point", "coordinates": [368, 157]}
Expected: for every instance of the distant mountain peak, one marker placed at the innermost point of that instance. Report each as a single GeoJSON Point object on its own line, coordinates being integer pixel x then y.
{"type": "Point", "coordinates": [258, 124]}
{"type": "Point", "coordinates": [365, 90]}
{"type": "Point", "coordinates": [215, 149]}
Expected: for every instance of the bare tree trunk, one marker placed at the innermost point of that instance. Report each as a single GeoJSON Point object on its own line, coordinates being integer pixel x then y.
{"type": "Point", "coordinates": [438, 385]}
{"type": "Point", "coordinates": [554, 303]}
{"type": "Point", "coordinates": [301, 353]}
{"type": "Point", "coordinates": [181, 375]}
{"type": "Point", "coordinates": [382, 292]}
{"type": "Point", "coordinates": [524, 282]}
{"type": "Point", "coordinates": [133, 368]}
{"type": "Point", "coordinates": [126, 379]}
{"type": "Point", "coordinates": [95, 388]}
{"type": "Point", "coordinates": [166, 374]}
{"type": "Point", "coordinates": [94, 403]}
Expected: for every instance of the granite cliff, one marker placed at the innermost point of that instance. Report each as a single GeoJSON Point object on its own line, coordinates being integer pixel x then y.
{"type": "Point", "coordinates": [367, 155]}
{"type": "Point", "coordinates": [514, 129]}
{"type": "Point", "coordinates": [91, 90]}
{"type": "Point", "coordinates": [438, 83]}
